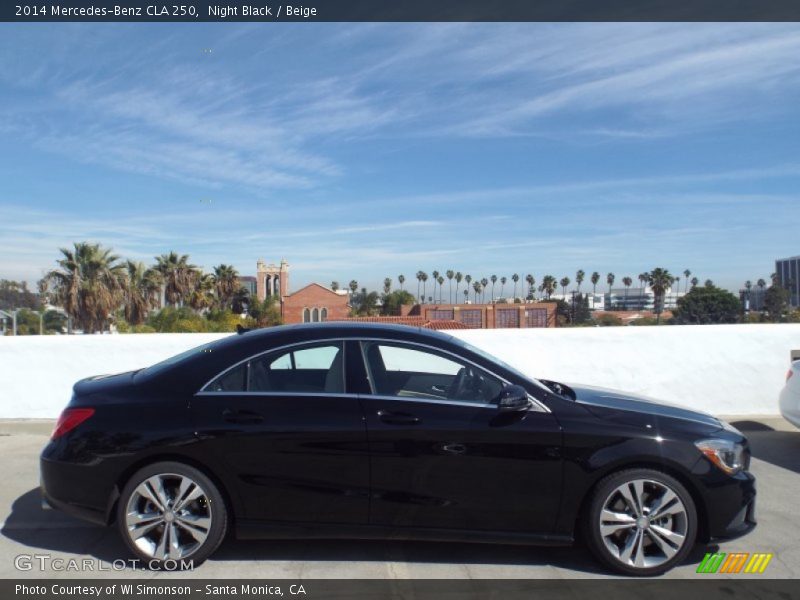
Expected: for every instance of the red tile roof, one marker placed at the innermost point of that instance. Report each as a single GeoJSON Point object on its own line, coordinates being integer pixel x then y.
{"type": "Point", "coordinates": [410, 321]}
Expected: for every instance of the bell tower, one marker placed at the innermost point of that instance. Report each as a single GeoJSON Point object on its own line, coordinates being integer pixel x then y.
{"type": "Point", "coordinates": [272, 279]}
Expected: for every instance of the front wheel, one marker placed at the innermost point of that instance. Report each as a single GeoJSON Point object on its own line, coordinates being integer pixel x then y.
{"type": "Point", "coordinates": [171, 515]}
{"type": "Point", "coordinates": [640, 522]}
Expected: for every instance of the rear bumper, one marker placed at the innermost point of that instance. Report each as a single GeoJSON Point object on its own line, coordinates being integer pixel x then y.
{"type": "Point", "coordinates": [789, 403]}
{"type": "Point", "coordinates": [75, 490]}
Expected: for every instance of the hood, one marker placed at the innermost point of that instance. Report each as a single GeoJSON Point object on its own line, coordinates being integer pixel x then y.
{"type": "Point", "coordinates": [604, 402]}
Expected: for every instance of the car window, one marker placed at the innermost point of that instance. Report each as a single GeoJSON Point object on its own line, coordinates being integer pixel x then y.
{"type": "Point", "coordinates": [411, 372]}
{"type": "Point", "coordinates": [230, 381]}
{"type": "Point", "coordinates": [314, 369]}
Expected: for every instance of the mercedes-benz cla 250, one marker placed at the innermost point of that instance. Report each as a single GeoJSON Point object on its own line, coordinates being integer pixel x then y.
{"type": "Point", "coordinates": [375, 431]}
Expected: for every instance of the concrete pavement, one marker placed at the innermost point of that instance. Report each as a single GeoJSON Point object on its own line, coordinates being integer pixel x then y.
{"type": "Point", "coordinates": [27, 530]}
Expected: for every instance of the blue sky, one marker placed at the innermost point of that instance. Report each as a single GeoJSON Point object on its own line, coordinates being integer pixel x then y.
{"type": "Point", "coordinates": [359, 151]}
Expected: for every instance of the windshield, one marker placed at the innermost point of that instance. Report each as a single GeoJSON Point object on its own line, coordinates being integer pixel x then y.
{"type": "Point", "coordinates": [505, 365]}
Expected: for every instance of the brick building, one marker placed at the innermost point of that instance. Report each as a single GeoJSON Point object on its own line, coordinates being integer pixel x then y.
{"type": "Point", "coordinates": [312, 303]}
{"type": "Point", "coordinates": [489, 316]}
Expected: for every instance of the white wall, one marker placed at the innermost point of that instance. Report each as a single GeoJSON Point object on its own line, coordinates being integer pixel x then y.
{"type": "Point", "coordinates": [723, 369]}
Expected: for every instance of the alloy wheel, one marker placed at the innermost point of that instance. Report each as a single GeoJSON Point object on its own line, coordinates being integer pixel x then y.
{"type": "Point", "coordinates": [168, 516]}
{"type": "Point", "coordinates": [643, 523]}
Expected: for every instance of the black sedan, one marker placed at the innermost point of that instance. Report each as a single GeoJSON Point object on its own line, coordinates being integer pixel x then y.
{"type": "Point", "coordinates": [376, 431]}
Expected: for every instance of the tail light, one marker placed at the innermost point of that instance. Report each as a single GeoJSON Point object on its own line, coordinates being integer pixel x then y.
{"type": "Point", "coordinates": [70, 418]}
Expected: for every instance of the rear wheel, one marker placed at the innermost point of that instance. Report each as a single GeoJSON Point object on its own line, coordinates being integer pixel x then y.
{"type": "Point", "coordinates": [641, 522]}
{"type": "Point", "coordinates": [169, 512]}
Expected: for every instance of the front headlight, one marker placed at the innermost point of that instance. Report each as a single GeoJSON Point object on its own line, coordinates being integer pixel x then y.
{"type": "Point", "coordinates": [725, 454]}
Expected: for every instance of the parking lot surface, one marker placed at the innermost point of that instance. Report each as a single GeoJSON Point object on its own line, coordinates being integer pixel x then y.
{"type": "Point", "coordinates": [27, 530]}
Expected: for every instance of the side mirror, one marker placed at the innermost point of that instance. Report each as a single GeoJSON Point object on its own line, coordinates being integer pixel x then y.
{"type": "Point", "coordinates": [513, 398]}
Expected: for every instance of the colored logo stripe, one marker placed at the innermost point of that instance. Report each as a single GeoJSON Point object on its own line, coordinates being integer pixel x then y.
{"type": "Point", "coordinates": [735, 562]}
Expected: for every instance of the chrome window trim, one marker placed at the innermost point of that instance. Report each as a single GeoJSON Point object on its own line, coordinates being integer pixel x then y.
{"type": "Point", "coordinates": [536, 405]}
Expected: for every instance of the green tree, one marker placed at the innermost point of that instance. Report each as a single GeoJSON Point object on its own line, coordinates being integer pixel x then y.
{"type": "Point", "coordinates": [266, 313]}
{"type": "Point", "coordinates": [686, 274]}
{"type": "Point", "coordinates": [610, 281]}
{"type": "Point", "coordinates": [401, 279]}
{"type": "Point", "coordinates": [706, 305]}
{"type": "Point", "coordinates": [88, 284]}
{"type": "Point", "coordinates": [201, 297]}
{"type": "Point", "coordinates": [435, 275]}
{"type": "Point", "coordinates": [493, 279]}
{"type": "Point", "coordinates": [627, 282]}
{"type": "Point", "coordinates": [450, 274]}
{"type": "Point", "coordinates": [531, 281]}
{"type": "Point", "coordinates": [387, 285]}
{"type": "Point", "coordinates": [178, 275]}
{"type": "Point", "coordinates": [393, 301]}
{"type": "Point", "coordinates": [15, 294]}
{"type": "Point", "coordinates": [579, 276]}
{"type": "Point", "coordinates": [440, 281]}
{"type": "Point", "coordinates": [595, 279]}
{"type": "Point", "coordinates": [226, 282]}
{"type": "Point", "coordinates": [776, 302]}
{"type": "Point", "coordinates": [515, 279]}
{"type": "Point", "coordinates": [660, 281]}
{"type": "Point", "coordinates": [548, 285]}
{"type": "Point", "coordinates": [484, 285]}
{"type": "Point", "coordinates": [458, 279]}
{"type": "Point", "coordinates": [564, 283]}
{"type": "Point", "coordinates": [335, 286]}
{"type": "Point", "coordinates": [477, 287]}
{"type": "Point", "coordinates": [141, 289]}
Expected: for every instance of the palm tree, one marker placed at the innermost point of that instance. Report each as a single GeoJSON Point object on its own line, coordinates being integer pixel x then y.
{"type": "Point", "coordinates": [335, 286]}
{"type": "Point", "coordinates": [178, 276]}
{"type": "Point", "coordinates": [627, 282]}
{"type": "Point", "coordinates": [548, 285]}
{"type": "Point", "coordinates": [441, 283]}
{"type": "Point", "coordinates": [709, 283]}
{"type": "Point", "coordinates": [450, 274]}
{"type": "Point", "coordinates": [677, 284]}
{"type": "Point", "coordinates": [494, 281]}
{"type": "Point", "coordinates": [468, 279]}
{"type": "Point", "coordinates": [435, 281]}
{"type": "Point", "coordinates": [424, 282]}
{"type": "Point", "coordinates": [88, 284]}
{"type": "Point", "coordinates": [515, 279]}
{"type": "Point", "coordinates": [503, 281]}
{"type": "Point", "coordinates": [201, 296]}
{"type": "Point", "coordinates": [686, 274]}
{"type": "Point", "coordinates": [459, 277]}
{"type": "Point", "coordinates": [761, 284]}
{"type": "Point", "coordinates": [419, 281]}
{"type": "Point", "coordinates": [387, 285]}
{"type": "Point", "coordinates": [531, 281]}
{"type": "Point", "coordinates": [579, 279]}
{"type": "Point", "coordinates": [642, 282]}
{"type": "Point", "coordinates": [660, 281]}
{"type": "Point", "coordinates": [477, 287]}
{"type": "Point", "coordinates": [353, 285]}
{"type": "Point", "coordinates": [401, 279]}
{"type": "Point", "coordinates": [141, 288]}
{"type": "Point", "coordinates": [226, 282]}
{"type": "Point", "coordinates": [610, 281]}
{"type": "Point", "coordinates": [466, 294]}
{"type": "Point", "coordinates": [695, 281]}
{"type": "Point", "coordinates": [564, 283]}
{"type": "Point", "coordinates": [595, 279]}
{"type": "Point", "coordinates": [484, 285]}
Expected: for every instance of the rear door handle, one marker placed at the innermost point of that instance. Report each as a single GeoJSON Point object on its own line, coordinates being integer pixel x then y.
{"type": "Point", "coordinates": [242, 416]}
{"type": "Point", "coordinates": [398, 418]}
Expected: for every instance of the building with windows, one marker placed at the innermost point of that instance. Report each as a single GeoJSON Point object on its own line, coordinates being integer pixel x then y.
{"type": "Point", "coordinates": [787, 270]}
{"type": "Point", "coordinates": [248, 282]}
{"type": "Point", "coordinates": [311, 304]}
{"type": "Point", "coordinates": [641, 299]}
{"type": "Point", "coordinates": [489, 316]}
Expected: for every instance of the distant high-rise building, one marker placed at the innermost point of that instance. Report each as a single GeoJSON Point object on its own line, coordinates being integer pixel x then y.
{"type": "Point", "coordinates": [788, 273]}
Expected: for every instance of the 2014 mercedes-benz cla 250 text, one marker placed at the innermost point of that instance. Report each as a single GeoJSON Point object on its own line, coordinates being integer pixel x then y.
{"type": "Point", "coordinates": [372, 431]}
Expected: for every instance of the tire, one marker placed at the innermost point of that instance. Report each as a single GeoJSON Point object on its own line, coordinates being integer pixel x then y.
{"type": "Point", "coordinates": [171, 516]}
{"type": "Point", "coordinates": [643, 538]}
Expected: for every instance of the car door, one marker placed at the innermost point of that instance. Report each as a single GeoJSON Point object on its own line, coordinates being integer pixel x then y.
{"type": "Point", "coordinates": [284, 429]}
{"type": "Point", "coordinates": [443, 456]}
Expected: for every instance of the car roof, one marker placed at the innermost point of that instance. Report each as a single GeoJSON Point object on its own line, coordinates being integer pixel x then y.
{"type": "Point", "coordinates": [348, 327]}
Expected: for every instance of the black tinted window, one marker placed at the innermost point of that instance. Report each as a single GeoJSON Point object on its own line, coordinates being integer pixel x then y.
{"type": "Point", "coordinates": [230, 381]}
{"type": "Point", "coordinates": [315, 368]}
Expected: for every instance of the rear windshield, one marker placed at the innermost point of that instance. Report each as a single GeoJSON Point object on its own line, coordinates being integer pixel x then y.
{"type": "Point", "coordinates": [172, 361]}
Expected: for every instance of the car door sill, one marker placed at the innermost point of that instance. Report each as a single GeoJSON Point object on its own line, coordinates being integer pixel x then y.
{"type": "Point", "coordinates": [251, 529]}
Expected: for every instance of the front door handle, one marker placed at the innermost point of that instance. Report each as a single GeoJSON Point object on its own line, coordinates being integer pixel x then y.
{"type": "Point", "coordinates": [398, 418]}
{"type": "Point", "coordinates": [242, 417]}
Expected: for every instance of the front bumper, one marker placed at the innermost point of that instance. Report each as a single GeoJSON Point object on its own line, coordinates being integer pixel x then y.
{"type": "Point", "coordinates": [730, 501]}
